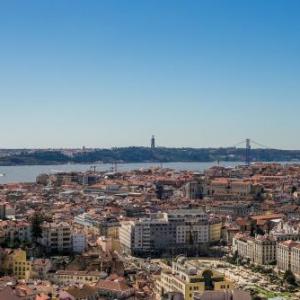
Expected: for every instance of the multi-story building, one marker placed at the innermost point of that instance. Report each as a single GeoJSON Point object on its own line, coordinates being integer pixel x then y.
{"type": "Point", "coordinates": [186, 279]}
{"type": "Point", "coordinates": [295, 259]}
{"type": "Point", "coordinates": [108, 226]}
{"type": "Point", "coordinates": [21, 266]}
{"type": "Point", "coordinates": [15, 231]}
{"type": "Point", "coordinates": [230, 186]}
{"type": "Point", "coordinates": [259, 250]}
{"type": "Point", "coordinates": [193, 190]}
{"type": "Point", "coordinates": [72, 277]}
{"type": "Point", "coordinates": [215, 230]}
{"type": "Point", "coordinates": [79, 243]}
{"type": "Point", "coordinates": [288, 256]}
{"type": "Point", "coordinates": [56, 237]}
{"type": "Point", "coordinates": [179, 231]}
{"type": "Point", "coordinates": [223, 295]}
{"type": "Point", "coordinates": [40, 268]}
{"type": "Point", "coordinates": [285, 231]}
{"type": "Point", "coordinates": [234, 209]}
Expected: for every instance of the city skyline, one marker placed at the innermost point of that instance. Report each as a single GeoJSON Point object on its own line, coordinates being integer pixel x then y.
{"type": "Point", "coordinates": [112, 73]}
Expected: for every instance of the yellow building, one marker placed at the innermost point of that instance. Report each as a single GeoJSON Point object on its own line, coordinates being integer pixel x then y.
{"type": "Point", "coordinates": [109, 244]}
{"type": "Point", "coordinates": [187, 279]}
{"type": "Point", "coordinates": [113, 232]}
{"type": "Point", "coordinates": [215, 228]}
{"type": "Point", "coordinates": [21, 266]}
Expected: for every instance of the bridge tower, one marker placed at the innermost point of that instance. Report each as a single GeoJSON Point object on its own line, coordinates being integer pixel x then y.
{"type": "Point", "coordinates": [247, 154]}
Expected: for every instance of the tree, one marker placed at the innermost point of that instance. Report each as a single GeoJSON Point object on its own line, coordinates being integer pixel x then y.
{"type": "Point", "coordinates": [289, 277]}
{"type": "Point", "coordinates": [259, 231]}
{"type": "Point", "coordinates": [36, 222]}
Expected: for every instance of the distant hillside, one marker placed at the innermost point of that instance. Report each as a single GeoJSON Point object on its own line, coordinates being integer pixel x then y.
{"type": "Point", "coordinates": [143, 154]}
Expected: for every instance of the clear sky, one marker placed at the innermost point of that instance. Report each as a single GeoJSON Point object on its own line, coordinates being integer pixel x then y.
{"type": "Point", "coordinates": [112, 73]}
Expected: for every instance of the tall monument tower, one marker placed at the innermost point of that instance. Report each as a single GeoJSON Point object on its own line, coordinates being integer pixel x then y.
{"type": "Point", "coordinates": [152, 142]}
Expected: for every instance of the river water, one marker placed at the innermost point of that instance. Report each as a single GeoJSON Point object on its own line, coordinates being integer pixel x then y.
{"type": "Point", "coordinates": [29, 173]}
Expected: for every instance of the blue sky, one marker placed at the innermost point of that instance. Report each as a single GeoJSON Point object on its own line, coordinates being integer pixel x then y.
{"type": "Point", "coordinates": [112, 73]}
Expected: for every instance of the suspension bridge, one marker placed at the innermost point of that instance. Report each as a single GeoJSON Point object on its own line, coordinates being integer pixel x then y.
{"type": "Point", "coordinates": [248, 145]}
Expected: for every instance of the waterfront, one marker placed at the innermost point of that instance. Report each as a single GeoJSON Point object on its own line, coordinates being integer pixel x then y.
{"type": "Point", "coordinates": [29, 173]}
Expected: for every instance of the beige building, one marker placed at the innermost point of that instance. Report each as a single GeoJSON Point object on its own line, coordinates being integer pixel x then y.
{"type": "Point", "coordinates": [186, 279]}
{"type": "Point", "coordinates": [72, 277]}
{"type": "Point", "coordinates": [260, 250]}
{"type": "Point", "coordinates": [288, 256]}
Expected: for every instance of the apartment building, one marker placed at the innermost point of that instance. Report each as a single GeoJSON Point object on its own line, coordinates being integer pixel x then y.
{"type": "Point", "coordinates": [56, 237]}
{"type": "Point", "coordinates": [288, 256]}
{"type": "Point", "coordinates": [72, 277]}
{"type": "Point", "coordinates": [223, 295]}
{"type": "Point", "coordinates": [295, 259]}
{"type": "Point", "coordinates": [234, 209]}
{"type": "Point", "coordinates": [259, 250]}
{"type": "Point", "coordinates": [21, 266]}
{"type": "Point", "coordinates": [193, 190]}
{"type": "Point", "coordinates": [285, 231]}
{"type": "Point", "coordinates": [186, 279]}
{"type": "Point", "coordinates": [106, 226]}
{"type": "Point", "coordinates": [183, 231]}
{"type": "Point", "coordinates": [15, 231]}
{"type": "Point", "coordinates": [215, 230]}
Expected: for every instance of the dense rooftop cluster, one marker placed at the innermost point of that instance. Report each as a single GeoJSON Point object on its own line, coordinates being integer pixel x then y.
{"type": "Point", "coordinates": [98, 235]}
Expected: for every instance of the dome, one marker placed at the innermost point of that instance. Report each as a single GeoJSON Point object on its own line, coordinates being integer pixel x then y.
{"type": "Point", "coordinates": [181, 259]}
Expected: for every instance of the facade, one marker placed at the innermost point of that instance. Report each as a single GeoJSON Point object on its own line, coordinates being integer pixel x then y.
{"type": "Point", "coordinates": [21, 266]}
{"type": "Point", "coordinates": [226, 186]}
{"type": "Point", "coordinates": [40, 268]}
{"type": "Point", "coordinates": [72, 277]}
{"type": "Point", "coordinates": [288, 256]}
{"type": "Point", "coordinates": [56, 237]}
{"type": "Point", "coordinates": [15, 231]}
{"type": "Point", "coordinates": [104, 226]}
{"type": "Point", "coordinates": [223, 295]}
{"type": "Point", "coordinates": [79, 243]}
{"type": "Point", "coordinates": [188, 280]}
{"type": "Point", "coordinates": [295, 259]}
{"type": "Point", "coordinates": [233, 209]}
{"type": "Point", "coordinates": [193, 190]}
{"type": "Point", "coordinates": [183, 231]}
{"type": "Point", "coordinates": [215, 230]}
{"type": "Point", "coordinates": [259, 250]}
{"type": "Point", "coordinates": [285, 231]}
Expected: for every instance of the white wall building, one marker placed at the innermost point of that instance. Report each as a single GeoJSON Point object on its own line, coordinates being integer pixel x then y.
{"type": "Point", "coordinates": [56, 237]}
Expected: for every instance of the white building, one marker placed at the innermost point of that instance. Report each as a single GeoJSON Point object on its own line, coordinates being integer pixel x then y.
{"type": "Point", "coordinates": [177, 231]}
{"type": "Point", "coordinates": [288, 256]}
{"type": "Point", "coordinates": [56, 237]}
